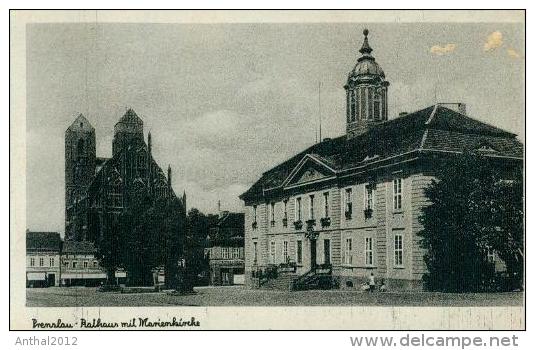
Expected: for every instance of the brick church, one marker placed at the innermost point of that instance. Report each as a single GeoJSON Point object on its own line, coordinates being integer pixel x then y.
{"type": "Point", "coordinates": [349, 206]}
{"type": "Point", "coordinates": [96, 187]}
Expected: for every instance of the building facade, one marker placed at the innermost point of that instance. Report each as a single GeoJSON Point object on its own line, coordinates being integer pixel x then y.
{"type": "Point", "coordinates": [98, 190]}
{"type": "Point", "coordinates": [350, 205]}
{"type": "Point", "coordinates": [225, 250]}
{"type": "Point", "coordinates": [43, 259]}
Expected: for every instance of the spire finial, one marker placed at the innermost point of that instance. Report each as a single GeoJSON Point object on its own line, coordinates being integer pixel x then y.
{"type": "Point", "coordinates": [365, 49]}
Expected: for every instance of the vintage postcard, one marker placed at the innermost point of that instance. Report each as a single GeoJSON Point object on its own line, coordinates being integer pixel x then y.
{"type": "Point", "coordinates": [183, 170]}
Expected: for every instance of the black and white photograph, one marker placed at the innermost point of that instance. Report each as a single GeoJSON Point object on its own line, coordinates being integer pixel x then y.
{"type": "Point", "coordinates": [344, 160]}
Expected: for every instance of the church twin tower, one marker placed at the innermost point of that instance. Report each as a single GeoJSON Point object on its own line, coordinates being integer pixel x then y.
{"type": "Point", "coordinates": [367, 101]}
{"type": "Point", "coordinates": [95, 185]}
{"type": "Point", "coordinates": [366, 93]}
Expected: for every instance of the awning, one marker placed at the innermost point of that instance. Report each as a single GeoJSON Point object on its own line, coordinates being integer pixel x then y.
{"type": "Point", "coordinates": [36, 276]}
{"type": "Point", "coordinates": [79, 275]}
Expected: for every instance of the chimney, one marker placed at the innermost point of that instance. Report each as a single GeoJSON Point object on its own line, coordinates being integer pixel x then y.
{"type": "Point", "coordinates": [462, 108]}
{"type": "Point", "coordinates": [458, 107]}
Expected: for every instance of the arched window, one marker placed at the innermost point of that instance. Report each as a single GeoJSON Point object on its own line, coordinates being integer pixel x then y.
{"type": "Point", "coordinates": [362, 103]}
{"type": "Point", "coordinates": [377, 104]}
{"type": "Point", "coordinates": [116, 195]}
{"type": "Point", "coordinates": [80, 147]}
{"type": "Point", "coordinates": [353, 105]}
{"type": "Point", "coordinates": [385, 103]}
{"type": "Point", "coordinates": [81, 151]}
{"type": "Point", "coordinates": [141, 164]}
{"type": "Point", "coordinates": [348, 107]}
{"type": "Point", "coordinates": [369, 97]}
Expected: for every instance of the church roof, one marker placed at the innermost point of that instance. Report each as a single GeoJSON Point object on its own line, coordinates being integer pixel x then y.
{"type": "Point", "coordinates": [432, 129]}
{"type": "Point", "coordinates": [130, 117]}
{"type": "Point", "coordinates": [80, 124]}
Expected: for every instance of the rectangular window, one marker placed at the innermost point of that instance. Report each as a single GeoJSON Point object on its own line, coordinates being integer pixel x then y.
{"type": "Point", "coordinates": [298, 209]}
{"type": "Point", "coordinates": [285, 252]}
{"type": "Point", "coordinates": [491, 258]}
{"type": "Point", "coordinates": [311, 207]}
{"type": "Point", "coordinates": [327, 251]}
{"type": "Point", "coordinates": [95, 264]}
{"type": "Point", "coordinates": [32, 261]}
{"type": "Point", "coordinates": [41, 262]}
{"type": "Point", "coordinates": [398, 250]}
{"type": "Point", "coordinates": [52, 262]}
{"type": "Point", "coordinates": [255, 252]}
{"type": "Point", "coordinates": [285, 209]}
{"type": "Point", "coordinates": [225, 253]}
{"type": "Point", "coordinates": [326, 204]}
{"type": "Point", "coordinates": [369, 197]}
{"type": "Point", "coordinates": [397, 193]}
{"type": "Point", "coordinates": [74, 264]}
{"type": "Point", "coordinates": [348, 258]}
{"type": "Point", "coordinates": [272, 253]}
{"type": "Point", "coordinates": [369, 251]}
{"type": "Point", "coordinates": [272, 213]}
{"type": "Point", "coordinates": [349, 203]}
{"type": "Point", "coordinates": [299, 252]}
{"type": "Point", "coordinates": [254, 213]}
{"type": "Point", "coordinates": [86, 265]}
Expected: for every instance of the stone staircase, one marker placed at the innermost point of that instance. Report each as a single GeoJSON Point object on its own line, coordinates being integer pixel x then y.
{"type": "Point", "coordinates": [284, 281]}
{"type": "Point", "coordinates": [318, 278]}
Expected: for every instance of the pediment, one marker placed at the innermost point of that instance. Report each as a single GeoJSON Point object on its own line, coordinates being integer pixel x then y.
{"type": "Point", "coordinates": [309, 169]}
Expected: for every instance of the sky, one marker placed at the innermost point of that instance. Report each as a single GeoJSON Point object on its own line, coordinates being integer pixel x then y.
{"type": "Point", "coordinates": [226, 102]}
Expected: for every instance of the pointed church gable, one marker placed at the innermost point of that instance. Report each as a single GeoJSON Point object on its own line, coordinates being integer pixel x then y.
{"type": "Point", "coordinates": [310, 169]}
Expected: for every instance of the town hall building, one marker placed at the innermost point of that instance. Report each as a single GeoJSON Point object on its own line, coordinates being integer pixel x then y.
{"type": "Point", "coordinates": [349, 206]}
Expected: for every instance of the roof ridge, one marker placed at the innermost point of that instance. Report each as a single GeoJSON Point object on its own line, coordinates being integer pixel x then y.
{"type": "Point", "coordinates": [473, 119]}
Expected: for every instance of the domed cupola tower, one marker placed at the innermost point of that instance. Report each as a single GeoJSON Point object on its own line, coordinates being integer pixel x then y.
{"type": "Point", "coordinates": [366, 93]}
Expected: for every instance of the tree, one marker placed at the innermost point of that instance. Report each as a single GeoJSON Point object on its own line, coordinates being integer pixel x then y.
{"type": "Point", "coordinates": [198, 226]}
{"type": "Point", "coordinates": [108, 247]}
{"type": "Point", "coordinates": [136, 253]}
{"type": "Point", "coordinates": [472, 209]}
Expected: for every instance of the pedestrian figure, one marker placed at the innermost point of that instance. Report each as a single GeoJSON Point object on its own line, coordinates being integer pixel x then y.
{"type": "Point", "coordinates": [371, 282]}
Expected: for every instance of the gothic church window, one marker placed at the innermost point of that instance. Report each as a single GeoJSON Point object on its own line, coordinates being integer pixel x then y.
{"type": "Point", "coordinates": [81, 151]}
{"type": "Point", "coordinates": [116, 196]}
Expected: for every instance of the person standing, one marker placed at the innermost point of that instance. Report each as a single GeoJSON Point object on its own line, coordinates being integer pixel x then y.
{"type": "Point", "coordinates": [371, 282]}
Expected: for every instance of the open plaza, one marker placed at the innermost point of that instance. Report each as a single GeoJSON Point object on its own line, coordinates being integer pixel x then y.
{"type": "Point", "coordinates": [239, 296]}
